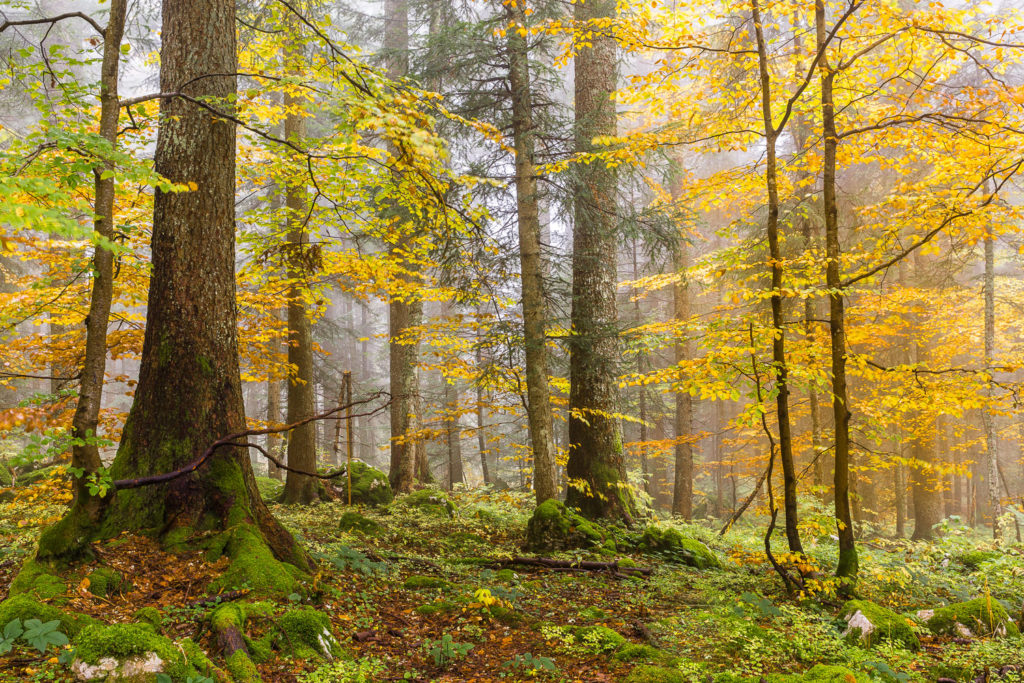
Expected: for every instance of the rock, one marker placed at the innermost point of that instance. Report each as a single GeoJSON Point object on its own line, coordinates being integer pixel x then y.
{"type": "Point", "coordinates": [132, 652]}
{"type": "Point", "coordinates": [670, 542]}
{"type": "Point", "coordinates": [369, 486]}
{"type": "Point", "coordinates": [353, 521]}
{"type": "Point", "coordinates": [270, 489]}
{"type": "Point", "coordinates": [553, 526]}
{"type": "Point", "coordinates": [974, 559]}
{"type": "Point", "coordinates": [432, 501]}
{"type": "Point", "coordinates": [980, 617]}
{"type": "Point", "coordinates": [868, 624]}
{"type": "Point", "coordinates": [110, 669]}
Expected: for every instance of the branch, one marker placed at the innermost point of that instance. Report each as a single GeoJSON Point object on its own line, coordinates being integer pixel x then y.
{"type": "Point", "coordinates": [54, 20]}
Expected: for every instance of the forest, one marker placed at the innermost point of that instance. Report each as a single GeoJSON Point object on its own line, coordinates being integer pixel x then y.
{"type": "Point", "coordinates": [653, 341]}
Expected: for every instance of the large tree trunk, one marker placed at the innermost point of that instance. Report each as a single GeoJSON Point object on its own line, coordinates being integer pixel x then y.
{"type": "Point", "coordinates": [991, 451]}
{"type": "Point", "coordinates": [538, 404]}
{"type": "Point", "coordinates": [682, 492]}
{"type": "Point", "coordinates": [596, 466]}
{"type": "Point", "coordinates": [779, 360]}
{"type": "Point", "coordinates": [298, 488]}
{"type": "Point", "coordinates": [189, 390]}
{"type": "Point", "coordinates": [84, 426]}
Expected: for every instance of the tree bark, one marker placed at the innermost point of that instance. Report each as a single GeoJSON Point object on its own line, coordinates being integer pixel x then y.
{"type": "Point", "coordinates": [596, 467]}
{"type": "Point", "coordinates": [682, 492]}
{"type": "Point", "coordinates": [85, 423]}
{"type": "Point", "coordinates": [988, 419]}
{"type": "Point", "coordinates": [538, 404]}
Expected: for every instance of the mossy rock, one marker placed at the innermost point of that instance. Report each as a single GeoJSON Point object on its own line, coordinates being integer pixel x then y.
{"type": "Point", "coordinates": [432, 501]}
{"type": "Point", "coordinates": [868, 624]}
{"type": "Point", "coordinates": [6, 478]}
{"type": "Point", "coordinates": [593, 613]}
{"type": "Point", "coordinates": [242, 669]}
{"type": "Point", "coordinates": [646, 654]}
{"type": "Point", "coordinates": [149, 615]}
{"type": "Point", "coordinates": [420, 581]}
{"type": "Point", "coordinates": [131, 652]}
{"type": "Point", "coordinates": [973, 559]}
{"type": "Point", "coordinates": [270, 489]}
{"type": "Point", "coordinates": [821, 673]}
{"type": "Point", "coordinates": [23, 607]}
{"type": "Point", "coordinates": [601, 638]}
{"type": "Point", "coordinates": [353, 521]}
{"type": "Point", "coordinates": [36, 579]}
{"type": "Point", "coordinates": [369, 486]}
{"type": "Point", "coordinates": [980, 617]}
{"type": "Point", "coordinates": [508, 616]}
{"type": "Point", "coordinates": [438, 607]}
{"type": "Point", "coordinates": [669, 542]}
{"type": "Point", "coordinates": [655, 674]}
{"type": "Point", "coordinates": [104, 582]}
{"type": "Point", "coordinates": [307, 632]}
{"type": "Point", "coordinates": [553, 526]}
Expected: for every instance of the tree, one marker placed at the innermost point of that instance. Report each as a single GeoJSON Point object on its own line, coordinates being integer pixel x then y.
{"type": "Point", "coordinates": [189, 390]}
{"type": "Point", "coordinates": [596, 466]}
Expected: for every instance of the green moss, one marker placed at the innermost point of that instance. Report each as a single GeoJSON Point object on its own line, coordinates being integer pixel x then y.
{"type": "Point", "coordinates": [6, 478]}
{"type": "Point", "coordinates": [465, 538]}
{"type": "Point", "coordinates": [439, 607]}
{"type": "Point", "coordinates": [506, 615]}
{"type": "Point", "coordinates": [631, 652]}
{"type": "Point", "coordinates": [308, 632]}
{"type": "Point", "coordinates": [593, 614]}
{"type": "Point", "coordinates": [982, 616]}
{"type": "Point", "coordinates": [821, 673]}
{"type": "Point", "coordinates": [242, 669]}
{"type": "Point", "coordinates": [35, 579]}
{"type": "Point", "coordinates": [418, 581]}
{"type": "Point", "coordinates": [270, 489]}
{"type": "Point", "coordinates": [973, 560]}
{"type": "Point", "coordinates": [127, 641]}
{"type": "Point", "coordinates": [104, 581]}
{"type": "Point", "coordinates": [887, 625]}
{"type": "Point", "coordinates": [505, 575]}
{"type": "Point", "coordinates": [149, 615]}
{"type": "Point", "coordinates": [655, 674]}
{"type": "Point", "coordinates": [553, 526]}
{"type": "Point", "coordinates": [600, 637]}
{"type": "Point", "coordinates": [24, 607]}
{"type": "Point", "coordinates": [432, 501]}
{"type": "Point", "coordinates": [671, 543]}
{"type": "Point", "coordinates": [353, 521]}
{"type": "Point", "coordinates": [252, 563]}
{"type": "Point", "coordinates": [369, 486]}
{"type": "Point", "coordinates": [177, 539]}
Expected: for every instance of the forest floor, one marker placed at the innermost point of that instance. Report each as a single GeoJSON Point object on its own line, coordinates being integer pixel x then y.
{"type": "Point", "coordinates": [407, 597]}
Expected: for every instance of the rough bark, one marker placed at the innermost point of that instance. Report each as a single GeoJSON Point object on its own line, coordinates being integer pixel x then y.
{"type": "Point", "coordinates": [682, 492]}
{"type": "Point", "coordinates": [481, 434]}
{"type": "Point", "coordinates": [538, 404]}
{"type": "Point", "coordinates": [991, 443]}
{"type": "Point", "coordinates": [85, 422]}
{"type": "Point", "coordinates": [189, 390]}
{"type": "Point", "coordinates": [596, 467]}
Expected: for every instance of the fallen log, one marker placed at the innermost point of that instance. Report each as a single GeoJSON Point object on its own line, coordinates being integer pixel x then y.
{"type": "Point", "coordinates": [577, 565]}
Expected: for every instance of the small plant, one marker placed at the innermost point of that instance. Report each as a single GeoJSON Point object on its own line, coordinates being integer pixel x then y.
{"type": "Point", "coordinates": [347, 671]}
{"type": "Point", "coordinates": [39, 634]}
{"type": "Point", "coordinates": [530, 664]}
{"type": "Point", "coordinates": [346, 558]}
{"type": "Point", "coordinates": [445, 650]}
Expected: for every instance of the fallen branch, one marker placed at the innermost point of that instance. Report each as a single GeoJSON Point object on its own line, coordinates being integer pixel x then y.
{"type": "Point", "coordinates": [577, 566]}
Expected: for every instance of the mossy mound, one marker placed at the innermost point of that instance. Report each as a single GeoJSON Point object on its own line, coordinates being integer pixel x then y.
{"type": "Point", "coordinates": [821, 673]}
{"type": "Point", "coordinates": [369, 486]}
{"type": "Point", "coordinates": [307, 632]}
{"type": "Point", "coordinates": [646, 654]}
{"type": "Point", "coordinates": [868, 624]}
{"type": "Point", "coordinates": [437, 607]}
{"type": "Point", "coordinates": [672, 544]}
{"type": "Point", "coordinates": [252, 564]}
{"type": "Point", "coordinates": [36, 579]}
{"type": "Point", "coordinates": [6, 478]}
{"type": "Point", "coordinates": [133, 652]}
{"type": "Point", "coordinates": [601, 638]}
{"type": "Point", "coordinates": [973, 559]}
{"type": "Point", "coordinates": [420, 581]}
{"type": "Point", "coordinates": [23, 607]}
{"type": "Point", "coordinates": [432, 501]}
{"type": "Point", "coordinates": [149, 615]}
{"type": "Point", "coordinates": [104, 581]}
{"type": "Point", "coordinates": [553, 526]}
{"type": "Point", "coordinates": [979, 617]}
{"type": "Point", "coordinates": [655, 674]}
{"type": "Point", "coordinates": [270, 489]}
{"type": "Point", "coordinates": [353, 521]}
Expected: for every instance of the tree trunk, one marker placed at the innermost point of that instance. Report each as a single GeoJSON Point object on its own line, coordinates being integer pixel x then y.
{"type": "Point", "coordinates": [453, 433]}
{"type": "Point", "coordinates": [789, 475]}
{"type": "Point", "coordinates": [991, 444]}
{"type": "Point", "coordinates": [274, 441]}
{"type": "Point", "coordinates": [189, 390]}
{"type": "Point", "coordinates": [682, 492]}
{"type": "Point", "coordinates": [538, 404]}
{"type": "Point", "coordinates": [85, 424]}
{"type": "Point", "coordinates": [596, 468]}
{"type": "Point", "coordinates": [481, 435]}
{"type": "Point", "coordinates": [298, 488]}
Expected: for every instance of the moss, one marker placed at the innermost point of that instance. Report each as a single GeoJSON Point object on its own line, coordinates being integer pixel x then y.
{"type": "Point", "coordinates": [242, 669]}
{"type": "Point", "coordinates": [353, 521]}
{"type": "Point", "coordinates": [631, 652]}
{"type": "Point", "coordinates": [593, 614]}
{"type": "Point", "coordinates": [270, 489]}
{"type": "Point", "coordinates": [887, 625]}
{"type": "Point", "coordinates": [127, 641]}
{"type": "Point", "coordinates": [670, 542]}
{"type": "Point", "coordinates": [104, 581]}
{"type": "Point", "coordinates": [982, 616]}
{"type": "Point", "coordinates": [24, 607]}
{"type": "Point", "coordinates": [35, 579]}
{"type": "Point", "coordinates": [466, 538]}
{"type": "Point", "coordinates": [308, 632]}
{"type": "Point", "coordinates": [553, 526]}
{"type": "Point", "coordinates": [506, 615]}
{"type": "Point", "coordinates": [6, 478]}
{"type": "Point", "coordinates": [431, 501]}
{"type": "Point", "coordinates": [973, 560]}
{"type": "Point", "coordinates": [505, 575]}
{"type": "Point", "coordinates": [418, 581]}
{"type": "Point", "coordinates": [252, 563]}
{"type": "Point", "coordinates": [369, 486]}
{"type": "Point", "coordinates": [821, 673]}
{"type": "Point", "coordinates": [626, 562]}
{"type": "Point", "coordinates": [655, 674]}
{"type": "Point", "coordinates": [602, 637]}
{"type": "Point", "coordinates": [439, 607]}
{"type": "Point", "coordinates": [149, 615]}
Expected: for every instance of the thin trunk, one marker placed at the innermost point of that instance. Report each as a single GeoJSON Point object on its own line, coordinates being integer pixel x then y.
{"type": "Point", "coordinates": [991, 444]}
{"type": "Point", "coordinates": [682, 492]}
{"type": "Point", "coordinates": [789, 474]}
{"type": "Point", "coordinates": [641, 368]}
{"type": "Point", "coordinates": [534, 309]}
{"type": "Point", "coordinates": [85, 424]}
{"type": "Point", "coordinates": [481, 434]}
{"type": "Point", "coordinates": [596, 468]}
